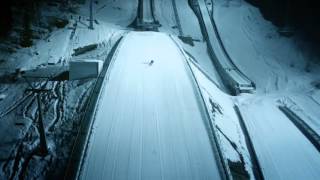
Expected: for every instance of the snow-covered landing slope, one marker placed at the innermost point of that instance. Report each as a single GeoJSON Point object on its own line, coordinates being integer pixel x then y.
{"type": "Point", "coordinates": [150, 123]}
{"type": "Point", "coordinates": [283, 151]}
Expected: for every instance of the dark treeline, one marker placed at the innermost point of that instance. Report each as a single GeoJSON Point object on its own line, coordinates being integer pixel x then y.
{"type": "Point", "coordinates": [26, 9]}
{"type": "Point", "coordinates": [5, 18]}
{"type": "Point", "coordinates": [19, 9]}
{"type": "Point", "coordinates": [303, 15]}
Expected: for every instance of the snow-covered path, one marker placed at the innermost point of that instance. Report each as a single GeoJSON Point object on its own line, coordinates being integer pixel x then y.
{"type": "Point", "coordinates": [150, 123]}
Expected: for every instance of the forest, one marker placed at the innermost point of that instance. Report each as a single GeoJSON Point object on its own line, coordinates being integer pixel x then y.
{"type": "Point", "coordinates": [302, 15]}
{"type": "Point", "coordinates": [11, 11]}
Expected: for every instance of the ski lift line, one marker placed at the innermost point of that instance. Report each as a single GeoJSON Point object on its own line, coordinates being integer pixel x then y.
{"type": "Point", "coordinates": [28, 82]}
{"type": "Point", "coordinates": [15, 105]}
{"type": "Point", "coordinates": [100, 8]}
{"type": "Point", "coordinates": [20, 101]}
{"type": "Point", "coordinates": [43, 150]}
{"type": "Point", "coordinates": [303, 127]}
{"type": "Point", "coordinates": [80, 145]}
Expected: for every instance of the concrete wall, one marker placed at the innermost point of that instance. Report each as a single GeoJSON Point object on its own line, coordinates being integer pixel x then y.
{"type": "Point", "coordinates": [83, 69]}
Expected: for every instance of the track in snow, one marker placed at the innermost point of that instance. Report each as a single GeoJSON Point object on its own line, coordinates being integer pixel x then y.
{"type": "Point", "coordinates": [150, 123]}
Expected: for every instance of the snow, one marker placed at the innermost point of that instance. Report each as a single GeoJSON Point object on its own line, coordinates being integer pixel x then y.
{"type": "Point", "coordinates": [190, 27]}
{"type": "Point", "coordinates": [315, 96]}
{"type": "Point", "coordinates": [306, 108]}
{"type": "Point", "coordinates": [188, 20]}
{"type": "Point", "coordinates": [115, 12]}
{"type": "Point", "coordinates": [2, 97]}
{"type": "Point", "coordinates": [63, 106]}
{"type": "Point", "coordinates": [165, 15]}
{"type": "Point", "coordinates": [235, 79]}
{"type": "Point", "coordinates": [58, 47]}
{"type": "Point", "coordinates": [150, 120]}
{"type": "Point", "coordinates": [282, 150]}
{"type": "Point", "coordinates": [285, 71]}
{"type": "Point", "coordinates": [273, 62]}
{"type": "Point", "coordinates": [44, 51]}
{"type": "Point", "coordinates": [224, 117]}
{"type": "Point", "coordinates": [149, 123]}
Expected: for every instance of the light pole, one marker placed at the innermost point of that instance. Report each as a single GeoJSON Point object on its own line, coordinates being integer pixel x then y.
{"type": "Point", "coordinates": [42, 133]}
{"type": "Point", "coordinates": [43, 149]}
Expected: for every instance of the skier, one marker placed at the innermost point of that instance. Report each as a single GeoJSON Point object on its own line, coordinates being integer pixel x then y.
{"type": "Point", "coordinates": [151, 62]}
